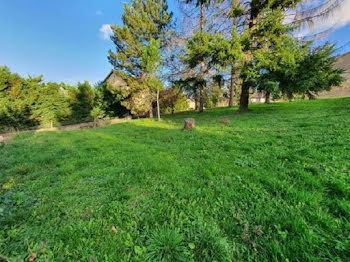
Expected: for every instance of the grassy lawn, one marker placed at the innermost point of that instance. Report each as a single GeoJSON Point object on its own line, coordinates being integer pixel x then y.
{"type": "Point", "coordinates": [272, 185]}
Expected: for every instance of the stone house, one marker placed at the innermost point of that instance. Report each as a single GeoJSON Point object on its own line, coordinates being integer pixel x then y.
{"type": "Point", "coordinates": [342, 62]}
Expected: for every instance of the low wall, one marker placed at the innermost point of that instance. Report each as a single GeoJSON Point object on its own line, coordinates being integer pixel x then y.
{"type": "Point", "coordinates": [7, 136]}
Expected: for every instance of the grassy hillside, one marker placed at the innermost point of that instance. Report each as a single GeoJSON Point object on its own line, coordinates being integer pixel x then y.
{"type": "Point", "coordinates": [273, 185]}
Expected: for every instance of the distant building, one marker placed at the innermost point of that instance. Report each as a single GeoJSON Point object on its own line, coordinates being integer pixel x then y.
{"type": "Point", "coordinates": [342, 62]}
{"type": "Point", "coordinates": [115, 80]}
{"type": "Point", "coordinates": [258, 97]}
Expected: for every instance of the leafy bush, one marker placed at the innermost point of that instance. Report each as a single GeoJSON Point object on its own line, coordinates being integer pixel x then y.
{"type": "Point", "coordinates": [173, 100]}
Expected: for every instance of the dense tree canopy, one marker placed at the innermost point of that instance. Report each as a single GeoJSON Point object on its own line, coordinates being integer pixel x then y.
{"type": "Point", "coordinates": [29, 102]}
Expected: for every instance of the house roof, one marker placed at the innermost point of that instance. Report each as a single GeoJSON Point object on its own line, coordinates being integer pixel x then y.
{"type": "Point", "coordinates": [108, 76]}
{"type": "Point", "coordinates": [117, 80]}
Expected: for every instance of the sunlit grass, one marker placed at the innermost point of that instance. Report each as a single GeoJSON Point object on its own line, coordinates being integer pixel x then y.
{"type": "Point", "coordinates": [270, 185]}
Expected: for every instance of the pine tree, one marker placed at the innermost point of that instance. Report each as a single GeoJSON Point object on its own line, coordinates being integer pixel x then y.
{"type": "Point", "coordinates": [314, 72]}
{"type": "Point", "coordinates": [202, 5]}
{"type": "Point", "coordinates": [143, 20]}
{"type": "Point", "coordinates": [50, 104]}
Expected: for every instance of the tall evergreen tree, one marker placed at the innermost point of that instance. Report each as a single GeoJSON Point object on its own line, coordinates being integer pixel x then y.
{"type": "Point", "coordinates": [202, 5]}
{"type": "Point", "coordinates": [50, 104]}
{"type": "Point", "coordinates": [314, 72]}
{"type": "Point", "coordinates": [143, 20]}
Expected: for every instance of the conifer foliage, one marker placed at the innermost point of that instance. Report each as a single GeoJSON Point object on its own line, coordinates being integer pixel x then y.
{"type": "Point", "coordinates": [143, 21]}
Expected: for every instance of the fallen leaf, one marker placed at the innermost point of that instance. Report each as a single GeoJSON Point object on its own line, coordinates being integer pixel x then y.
{"type": "Point", "coordinates": [32, 257]}
{"type": "Point", "coordinates": [114, 229]}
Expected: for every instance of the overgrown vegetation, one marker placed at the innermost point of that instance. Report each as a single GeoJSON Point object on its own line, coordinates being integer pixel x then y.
{"type": "Point", "coordinates": [269, 185]}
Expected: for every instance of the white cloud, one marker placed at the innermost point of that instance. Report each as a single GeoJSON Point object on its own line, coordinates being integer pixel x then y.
{"type": "Point", "coordinates": [99, 12]}
{"type": "Point", "coordinates": [339, 17]}
{"type": "Point", "coordinates": [106, 31]}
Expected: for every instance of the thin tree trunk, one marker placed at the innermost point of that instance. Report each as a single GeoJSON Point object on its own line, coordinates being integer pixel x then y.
{"type": "Point", "coordinates": [267, 97]}
{"type": "Point", "coordinates": [196, 101]}
{"type": "Point", "coordinates": [310, 95]}
{"type": "Point", "coordinates": [202, 65]}
{"type": "Point", "coordinates": [230, 101]}
{"type": "Point", "coordinates": [158, 108]}
{"type": "Point", "coordinates": [234, 26]}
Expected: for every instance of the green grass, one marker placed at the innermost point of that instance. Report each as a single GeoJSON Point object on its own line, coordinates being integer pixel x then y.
{"type": "Point", "coordinates": [273, 185]}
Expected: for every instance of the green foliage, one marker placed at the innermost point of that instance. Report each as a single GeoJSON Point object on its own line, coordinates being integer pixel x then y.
{"type": "Point", "coordinates": [29, 102]}
{"type": "Point", "coordinates": [282, 194]}
{"type": "Point", "coordinates": [144, 21]}
{"type": "Point", "coordinates": [281, 65]}
{"type": "Point", "coordinates": [85, 100]}
{"type": "Point", "coordinates": [97, 113]}
{"type": "Point", "coordinates": [173, 100]}
{"type": "Point", "coordinates": [51, 104]}
{"type": "Point", "coordinates": [151, 57]}
{"type": "Point", "coordinates": [214, 95]}
{"type": "Point", "coordinates": [214, 49]}
{"type": "Point", "coordinates": [150, 63]}
{"type": "Point", "coordinates": [15, 99]}
{"type": "Point", "coordinates": [314, 72]}
{"type": "Point", "coordinates": [109, 99]}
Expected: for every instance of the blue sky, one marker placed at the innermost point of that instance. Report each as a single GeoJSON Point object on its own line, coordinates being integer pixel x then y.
{"type": "Point", "coordinates": [61, 39]}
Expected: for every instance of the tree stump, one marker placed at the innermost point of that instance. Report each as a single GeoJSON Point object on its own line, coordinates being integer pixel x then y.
{"type": "Point", "coordinates": [189, 123]}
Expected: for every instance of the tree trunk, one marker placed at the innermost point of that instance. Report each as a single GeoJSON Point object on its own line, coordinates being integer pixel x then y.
{"type": "Point", "coordinates": [310, 95]}
{"type": "Point", "coordinates": [158, 108]}
{"type": "Point", "coordinates": [230, 101]}
{"type": "Point", "coordinates": [196, 101]}
{"type": "Point", "coordinates": [244, 101]}
{"type": "Point", "coordinates": [201, 74]}
{"type": "Point", "coordinates": [267, 97]}
{"type": "Point", "coordinates": [232, 84]}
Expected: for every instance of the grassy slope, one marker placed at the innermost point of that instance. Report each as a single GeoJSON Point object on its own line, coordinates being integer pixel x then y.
{"type": "Point", "coordinates": [274, 184]}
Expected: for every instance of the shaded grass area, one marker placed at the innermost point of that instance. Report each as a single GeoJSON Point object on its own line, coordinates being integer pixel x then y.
{"type": "Point", "coordinates": [272, 185]}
